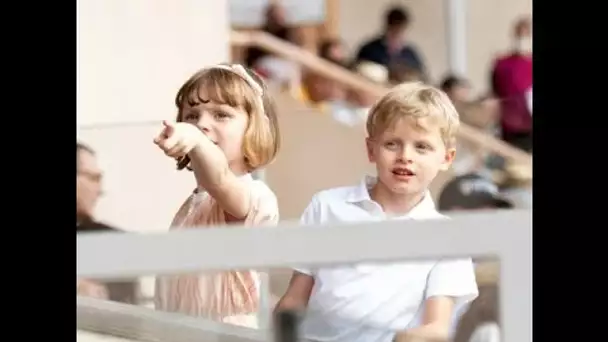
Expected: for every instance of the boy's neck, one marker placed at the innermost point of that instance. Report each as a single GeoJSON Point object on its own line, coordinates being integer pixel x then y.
{"type": "Point", "coordinates": [392, 203]}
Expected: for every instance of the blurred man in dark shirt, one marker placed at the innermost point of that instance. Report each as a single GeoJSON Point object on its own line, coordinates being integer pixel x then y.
{"type": "Point", "coordinates": [391, 48]}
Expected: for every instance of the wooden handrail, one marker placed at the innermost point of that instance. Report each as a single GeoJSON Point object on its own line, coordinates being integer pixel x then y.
{"type": "Point", "coordinates": [313, 62]}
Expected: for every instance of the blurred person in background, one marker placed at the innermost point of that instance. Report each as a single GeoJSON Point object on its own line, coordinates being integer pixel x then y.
{"type": "Point", "coordinates": [391, 47]}
{"type": "Point", "coordinates": [277, 71]}
{"type": "Point", "coordinates": [88, 187]}
{"type": "Point", "coordinates": [400, 73]}
{"type": "Point", "coordinates": [333, 50]}
{"type": "Point", "coordinates": [318, 91]}
{"type": "Point", "coordinates": [276, 23]}
{"type": "Point", "coordinates": [481, 114]}
{"type": "Point", "coordinates": [354, 109]}
{"type": "Point", "coordinates": [511, 84]}
{"type": "Point", "coordinates": [457, 88]}
{"type": "Point", "coordinates": [315, 89]}
{"type": "Point", "coordinates": [88, 192]}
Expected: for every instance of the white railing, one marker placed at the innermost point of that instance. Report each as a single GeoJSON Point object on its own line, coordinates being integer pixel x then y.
{"type": "Point", "coordinates": [505, 235]}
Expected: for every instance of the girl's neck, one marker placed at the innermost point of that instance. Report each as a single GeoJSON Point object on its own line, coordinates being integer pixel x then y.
{"type": "Point", "coordinates": [393, 203]}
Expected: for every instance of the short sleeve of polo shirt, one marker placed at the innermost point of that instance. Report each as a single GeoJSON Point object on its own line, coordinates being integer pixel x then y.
{"type": "Point", "coordinates": [453, 278]}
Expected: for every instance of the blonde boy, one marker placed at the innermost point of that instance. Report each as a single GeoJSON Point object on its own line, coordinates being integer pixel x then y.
{"type": "Point", "coordinates": [411, 137]}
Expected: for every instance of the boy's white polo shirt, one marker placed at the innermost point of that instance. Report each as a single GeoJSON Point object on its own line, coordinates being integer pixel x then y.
{"type": "Point", "coordinates": [369, 302]}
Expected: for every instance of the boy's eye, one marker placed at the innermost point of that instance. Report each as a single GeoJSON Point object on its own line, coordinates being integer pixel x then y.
{"type": "Point", "coordinates": [391, 144]}
{"type": "Point", "coordinates": [423, 146]}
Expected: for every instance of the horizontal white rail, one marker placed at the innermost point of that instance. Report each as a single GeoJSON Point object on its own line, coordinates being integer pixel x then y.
{"type": "Point", "coordinates": [143, 324]}
{"type": "Point", "coordinates": [506, 235]}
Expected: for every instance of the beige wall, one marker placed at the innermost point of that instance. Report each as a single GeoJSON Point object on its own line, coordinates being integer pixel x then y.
{"type": "Point", "coordinates": [489, 24]}
{"type": "Point", "coordinates": [132, 57]}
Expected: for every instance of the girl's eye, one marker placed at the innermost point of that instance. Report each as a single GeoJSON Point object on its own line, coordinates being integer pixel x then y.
{"type": "Point", "coordinates": [221, 116]}
{"type": "Point", "coordinates": [191, 117]}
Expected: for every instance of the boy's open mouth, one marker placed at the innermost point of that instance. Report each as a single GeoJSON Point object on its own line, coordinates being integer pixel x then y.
{"type": "Point", "coordinates": [403, 171]}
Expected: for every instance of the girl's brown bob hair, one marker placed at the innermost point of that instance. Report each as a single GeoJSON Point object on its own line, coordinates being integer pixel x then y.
{"type": "Point", "coordinates": [262, 140]}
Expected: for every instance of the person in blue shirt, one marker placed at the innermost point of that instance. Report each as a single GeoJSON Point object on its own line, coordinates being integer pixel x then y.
{"type": "Point", "coordinates": [391, 49]}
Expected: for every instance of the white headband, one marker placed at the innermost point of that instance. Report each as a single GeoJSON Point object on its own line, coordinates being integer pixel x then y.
{"type": "Point", "coordinates": [242, 73]}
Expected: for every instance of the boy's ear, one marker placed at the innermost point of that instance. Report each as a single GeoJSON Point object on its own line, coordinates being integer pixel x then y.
{"type": "Point", "coordinates": [369, 145]}
{"type": "Point", "coordinates": [450, 154]}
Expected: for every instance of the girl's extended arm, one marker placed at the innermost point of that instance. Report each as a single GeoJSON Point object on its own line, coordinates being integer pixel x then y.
{"type": "Point", "coordinates": [213, 173]}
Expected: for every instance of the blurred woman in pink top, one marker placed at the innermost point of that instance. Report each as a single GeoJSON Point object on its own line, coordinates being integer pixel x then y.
{"type": "Point", "coordinates": [226, 128]}
{"type": "Point", "coordinates": [511, 82]}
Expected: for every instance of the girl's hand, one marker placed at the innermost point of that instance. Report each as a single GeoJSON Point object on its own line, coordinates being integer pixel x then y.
{"type": "Point", "coordinates": [178, 139]}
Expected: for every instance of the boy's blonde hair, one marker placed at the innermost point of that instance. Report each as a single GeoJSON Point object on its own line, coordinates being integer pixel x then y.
{"type": "Point", "coordinates": [418, 101]}
{"type": "Point", "coordinates": [262, 139]}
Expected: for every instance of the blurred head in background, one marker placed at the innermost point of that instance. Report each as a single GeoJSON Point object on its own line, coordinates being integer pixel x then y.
{"type": "Point", "coordinates": [522, 36]}
{"type": "Point", "coordinates": [457, 88]}
{"type": "Point", "coordinates": [396, 22]}
{"type": "Point", "coordinates": [276, 19]}
{"type": "Point", "coordinates": [318, 87]}
{"type": "Point", "coordinates": [332, 50]}
{"type": "Point", "coordinates": [88, 182]}
{"type": "Point", "coordinates": [400, 72]}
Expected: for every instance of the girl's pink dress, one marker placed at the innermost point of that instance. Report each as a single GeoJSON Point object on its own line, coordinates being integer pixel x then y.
{"type": "Point", "coordinates": [230, 296]}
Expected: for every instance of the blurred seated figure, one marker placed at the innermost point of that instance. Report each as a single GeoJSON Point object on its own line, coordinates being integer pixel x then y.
{"type": "Point", "coordinates": [317, 91]}
{"type": "Point", "coordinates": [354, 109]}
{"type": "Point", "coordinates": [457, 88]}
{"type": "Point", "coordinates": [472, 192]}
{"type": "Point", "coordinates": [275, 70]}
{"type": "Point", "coordinates": [332, 50]}
{"type": "Point", "coordinates": [276, 23]}
{"type": "Point", "coordinates": [481, 114]}
{"type": "Point", "coordinates": [392, 46]}
{"type": "Point", "coordinates": [88, 191]}
{"type": "Point", "coordinates": [400, 73]}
